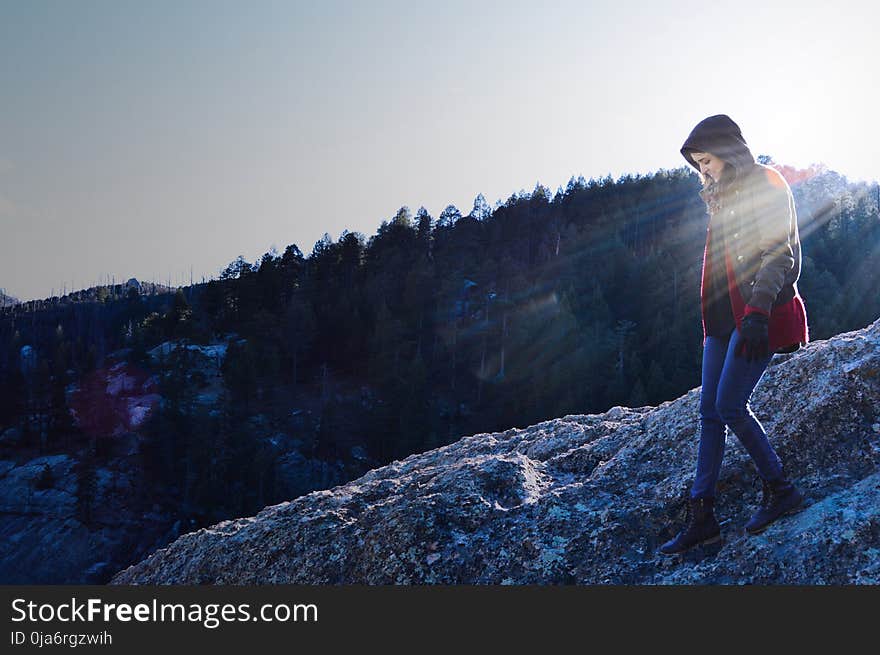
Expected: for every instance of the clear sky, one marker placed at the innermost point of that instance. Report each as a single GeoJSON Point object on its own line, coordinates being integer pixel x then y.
{"type": "Point", "coordinates": [151, 139]}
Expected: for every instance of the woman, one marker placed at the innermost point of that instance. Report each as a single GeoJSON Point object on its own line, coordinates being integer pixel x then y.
{"type": "Point", "coordinates": [751, 309]}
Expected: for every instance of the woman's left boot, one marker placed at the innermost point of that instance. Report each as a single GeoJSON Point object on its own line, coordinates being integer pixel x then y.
{"type": "Point", "coordinates": [779, 497]}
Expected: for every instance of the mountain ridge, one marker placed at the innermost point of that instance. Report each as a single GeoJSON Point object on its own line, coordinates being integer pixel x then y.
{"type": "Point", "coordinates": [583, 499]}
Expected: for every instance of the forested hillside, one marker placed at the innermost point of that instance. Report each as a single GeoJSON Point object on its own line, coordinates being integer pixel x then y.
{"type": "Point", "coordinates": [373, 348]}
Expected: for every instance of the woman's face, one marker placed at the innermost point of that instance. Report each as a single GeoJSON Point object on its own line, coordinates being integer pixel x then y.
{"type": "Point", "coordinates": [710, 165]}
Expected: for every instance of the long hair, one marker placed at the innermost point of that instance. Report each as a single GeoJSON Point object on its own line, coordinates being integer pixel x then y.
{"type": "Point", "coordinates": [714, 191]}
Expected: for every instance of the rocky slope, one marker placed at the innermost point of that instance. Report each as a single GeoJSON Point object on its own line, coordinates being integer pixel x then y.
{"type": "Point", "coordinates": [583, 499]}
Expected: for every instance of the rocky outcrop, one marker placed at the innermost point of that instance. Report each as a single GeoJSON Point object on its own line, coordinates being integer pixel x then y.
{"type": "Point", "coordinates": [43, 540]}
{"type": "Point", "coordinates": [583, 499]}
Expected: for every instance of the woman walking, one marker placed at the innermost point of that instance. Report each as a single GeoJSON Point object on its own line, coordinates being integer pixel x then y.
{"type": "Point", "coordinates": [751, 309]}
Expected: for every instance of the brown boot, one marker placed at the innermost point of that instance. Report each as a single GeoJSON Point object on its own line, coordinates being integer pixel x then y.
{"type": "Point", "coordinates": [702, 528]}
{"type": "Point", "coordinates": [780, 497]}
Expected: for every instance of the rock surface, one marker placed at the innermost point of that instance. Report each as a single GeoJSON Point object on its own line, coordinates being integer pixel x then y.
{"type": "Point", "coordinates": [583, 499]}
{"type": "Point", "coordinates": [42, 540]}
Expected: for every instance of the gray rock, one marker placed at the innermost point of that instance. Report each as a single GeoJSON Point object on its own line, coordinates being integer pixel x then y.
{"type": "Point", "coordinates": [583, 499]}
{"type": "Point", "coordinates": [19, 495]}
{"type": "Point", "coordinates": [42, 540]}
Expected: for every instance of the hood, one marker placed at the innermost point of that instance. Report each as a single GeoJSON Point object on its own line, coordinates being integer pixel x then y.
{"type": "Point", "coordinates": [722, 137]}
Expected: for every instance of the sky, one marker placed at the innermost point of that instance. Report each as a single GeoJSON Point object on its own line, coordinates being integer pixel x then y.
{"type": "Point", "coordinates": [160, 140]}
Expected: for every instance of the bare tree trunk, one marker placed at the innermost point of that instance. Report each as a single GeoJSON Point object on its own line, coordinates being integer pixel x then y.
{"type": "Point", "coordinates": [675, 294]}
{"type": "Point", "coordinates": [483, 354]}
{"type": "Point", "coordinates": [454, 349]}
{"type": "Point", "coordinates": [503, 335]}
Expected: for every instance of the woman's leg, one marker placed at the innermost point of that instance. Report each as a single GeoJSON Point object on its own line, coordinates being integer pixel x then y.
{"type": "Point", "coordinates": [738, 379]}
{"type": "Point", "coordinates": [711, 450]}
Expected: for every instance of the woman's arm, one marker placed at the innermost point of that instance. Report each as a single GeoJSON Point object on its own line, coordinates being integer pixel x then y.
{"type": "Point", "coordinates": [774, 213]}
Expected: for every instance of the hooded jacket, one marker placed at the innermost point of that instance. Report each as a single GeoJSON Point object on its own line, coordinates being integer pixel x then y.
{"type": "Point", "coordinates": [752, 256]}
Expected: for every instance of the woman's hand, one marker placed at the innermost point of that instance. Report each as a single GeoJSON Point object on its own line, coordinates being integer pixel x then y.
{"type": "Point", "coordinates": [755, 332]}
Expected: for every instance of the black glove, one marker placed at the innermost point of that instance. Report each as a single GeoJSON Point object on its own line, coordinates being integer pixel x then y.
{"type": "Point", "coordinates": [755, 332]}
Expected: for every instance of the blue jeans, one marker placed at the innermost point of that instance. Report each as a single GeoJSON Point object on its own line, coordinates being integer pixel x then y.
{"type": "Point", "coordinates": [728, 383]}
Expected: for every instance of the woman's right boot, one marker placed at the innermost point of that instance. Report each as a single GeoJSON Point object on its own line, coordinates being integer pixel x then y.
{"type": "Point", "coordinates": [702, 528]}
